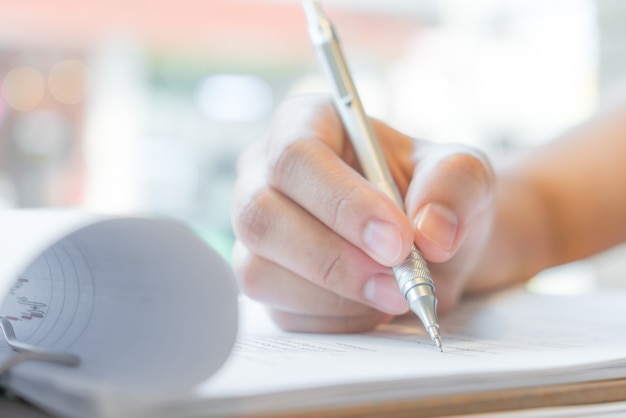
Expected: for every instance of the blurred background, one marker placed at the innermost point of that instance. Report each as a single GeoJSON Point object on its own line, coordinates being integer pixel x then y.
{"type": "Point", "coordinates": [142, 107]}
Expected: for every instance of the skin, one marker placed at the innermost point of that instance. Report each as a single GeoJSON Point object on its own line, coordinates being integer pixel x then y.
{"type": "Point", "coordinates": [315, 240]}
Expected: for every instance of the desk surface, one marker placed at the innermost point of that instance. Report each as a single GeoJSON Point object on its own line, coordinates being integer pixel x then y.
{"type": "Point", "coordinates": [480, 403]}
{"type": "Point", "coordinates": [475, 403]}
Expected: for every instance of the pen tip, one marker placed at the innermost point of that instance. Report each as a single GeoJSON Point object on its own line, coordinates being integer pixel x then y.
{"type": "Point", "coordinates": [438, 342]}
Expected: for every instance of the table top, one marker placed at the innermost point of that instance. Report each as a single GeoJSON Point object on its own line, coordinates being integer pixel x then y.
{"type": "Point", "coordinates": [473, 403]}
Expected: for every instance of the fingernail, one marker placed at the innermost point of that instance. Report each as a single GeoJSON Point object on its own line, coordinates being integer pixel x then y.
{"type": "Point", "coordinates": [438, 224]}
{"type": "Point", "coordinates": [384, 240]}
{"type": "Point", "coordinates": [384, 294]}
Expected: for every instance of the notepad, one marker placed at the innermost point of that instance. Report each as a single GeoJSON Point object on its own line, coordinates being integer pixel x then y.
{"type": "Point", "coordinates": [161, 332]}
{"type": "Point", "coordinates": [145, 304]}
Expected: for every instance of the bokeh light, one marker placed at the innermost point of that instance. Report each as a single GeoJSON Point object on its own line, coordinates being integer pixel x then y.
{"type": "Point", "coordinates": [234, 97]}
{"type": "Point", "coordinates": [68, 81]}
{"type": "Point", "coordinates": [23, 88]}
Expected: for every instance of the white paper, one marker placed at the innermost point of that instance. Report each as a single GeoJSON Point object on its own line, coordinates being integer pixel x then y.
{"type": "Point", "coordinates": [509, 340]}
{"type": "Point", "coordinates": [26, 233]}
{"type": "Point", "coordinates": [145, 304]}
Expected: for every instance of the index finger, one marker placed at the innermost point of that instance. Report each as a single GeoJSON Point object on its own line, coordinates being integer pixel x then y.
{"type": "Point", "coordinates": [310, 162]}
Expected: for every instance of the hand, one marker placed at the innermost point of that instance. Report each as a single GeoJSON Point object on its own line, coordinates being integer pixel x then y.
{"type": "Point", "coordinates": [315, 240]}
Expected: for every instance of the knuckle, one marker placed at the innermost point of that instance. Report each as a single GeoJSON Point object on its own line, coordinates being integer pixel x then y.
{"type": "Point", "coordinates": [254, 219]}
{"type": "Point", "coordinates": [473, 167]}
{"type": "Point", "coordinates": [339, 205]}
{"type": "Point", "coordinates": [332, 272]}
{"type": "Point", "coordinates": [284, 164]}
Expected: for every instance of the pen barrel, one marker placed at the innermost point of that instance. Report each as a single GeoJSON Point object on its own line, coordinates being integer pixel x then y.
{"type": "Point", "coordinates": [348, 104]}
{"type": "Point", "coordinates": [412, 275]}
{"type": "Point", "coordinates": [412, 272]}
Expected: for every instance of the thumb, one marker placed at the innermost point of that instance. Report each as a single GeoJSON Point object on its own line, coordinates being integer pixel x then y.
{"type": "Point", "coordinates": [451, 186]}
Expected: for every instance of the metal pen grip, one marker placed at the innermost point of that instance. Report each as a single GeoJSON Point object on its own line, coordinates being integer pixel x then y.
{"type": "Point", "coordinates": [412, 272]}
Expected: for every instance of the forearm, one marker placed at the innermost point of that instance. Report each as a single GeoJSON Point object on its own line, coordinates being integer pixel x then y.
{"type": "Point", "coordinates": [521, 242]}
{"type": "Point", "coordinates": [562, 202]}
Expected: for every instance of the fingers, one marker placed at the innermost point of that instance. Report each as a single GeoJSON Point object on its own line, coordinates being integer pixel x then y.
{"type": "Point", "coordinates": [275, 286]}
{"type": "Point", "coordinates": [451, 187]}
{"type": "Point", "coordinates": [298, 304]}
{"type": "Point", "coordinates": [276, 229]}
{"type": "Point", "coordinates": [315, 240]}
{"type": "Point", "coordinates": [306, 164]}
{"type": "Point", "coordinates": [299, 205]}
{"type": "Point", "coordinates": [318, 238]}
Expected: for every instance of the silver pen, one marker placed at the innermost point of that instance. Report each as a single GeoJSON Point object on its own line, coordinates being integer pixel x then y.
{"type": "Point", "coordinates": [412, 274]}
